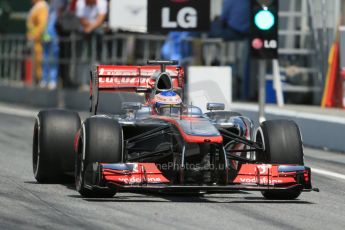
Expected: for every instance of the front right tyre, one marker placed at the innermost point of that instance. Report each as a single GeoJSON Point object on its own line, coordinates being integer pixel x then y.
{"type": "Point", "coordinates": [100, 140]}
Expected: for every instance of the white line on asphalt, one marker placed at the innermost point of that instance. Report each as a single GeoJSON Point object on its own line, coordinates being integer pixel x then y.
{"type": "Point", "coordinates": [4, 109]}
{"type": "Point", "coordinates": [327, 173]}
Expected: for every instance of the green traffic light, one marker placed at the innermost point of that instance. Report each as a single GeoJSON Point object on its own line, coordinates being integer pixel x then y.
{"type": "Point", "coordinates": [264, 20]}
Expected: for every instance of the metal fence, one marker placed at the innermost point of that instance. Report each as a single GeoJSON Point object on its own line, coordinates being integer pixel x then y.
{"type": "Point", "coordinates": [78, 53]}
{"type": "Point", "coordinates": [14, 54]}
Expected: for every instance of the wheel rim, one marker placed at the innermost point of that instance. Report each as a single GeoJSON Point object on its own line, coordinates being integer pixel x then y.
{"type": "Point", "coordinates": [36, 149]}
{"type": "Point", "coordinates": [78, 172]}
{"type": "Point", "coordinates": [79, 165]}
{"type": "Point", "coordinates": [259, 139]}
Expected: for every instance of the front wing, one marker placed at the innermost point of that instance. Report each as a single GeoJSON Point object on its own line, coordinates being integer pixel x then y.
{"type": "Point", "coordinates": [147, 176]}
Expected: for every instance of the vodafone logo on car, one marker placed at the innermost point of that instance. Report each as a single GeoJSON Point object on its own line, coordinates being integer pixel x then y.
{"type": "Point", "coordinates": [263, 181]}
{"type": "Point", "coordinates": [263, 169]}
{"type": "Point", "coordinates": [136, 179]}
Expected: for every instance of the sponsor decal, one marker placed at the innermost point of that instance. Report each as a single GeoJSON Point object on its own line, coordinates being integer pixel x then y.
{"type": "Point", "coordinates": [114, 72]}
{"type": "Point", "coordinates": [263, 180]}
{"type": "Point", "coordinates": [118, 72]}
{"type": "Point", "coordinates": [258, 43]}
{"type": "Point", "coordinates": [187, 17]}
{"type": "Point", "coordinates": [133, 180]}
{"type": "Point", "coordinates": [124, 80]}
{"type": "Point", "coordinates": [263, 169]}
{"type": "Point", "coordinates": [270, 44]}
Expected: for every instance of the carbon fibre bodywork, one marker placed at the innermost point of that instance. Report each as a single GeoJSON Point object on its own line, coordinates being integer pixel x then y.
{"type": "Point", "coordinates": [218, 151]}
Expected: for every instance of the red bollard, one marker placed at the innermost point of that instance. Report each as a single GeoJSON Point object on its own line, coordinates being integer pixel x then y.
{"type": "Point", "coordinates": [28, 72]}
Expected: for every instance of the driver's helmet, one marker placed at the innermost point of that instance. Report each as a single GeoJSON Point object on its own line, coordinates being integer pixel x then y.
{"type": "Point", "coordinates": [167, 103]}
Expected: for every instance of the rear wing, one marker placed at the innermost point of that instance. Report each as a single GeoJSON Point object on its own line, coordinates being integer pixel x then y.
{"type": "Point", "coordinates": [133, 78]}
{"type": "Point", "coordinates": [143, 79]}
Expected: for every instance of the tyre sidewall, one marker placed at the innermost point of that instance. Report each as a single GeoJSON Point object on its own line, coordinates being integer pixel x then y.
{"type": "Point", "coordinates": [53, 144]}
{"type": "Point", "coordinates": [282, 142]}
{"type": "Point", "coordinates": [101, 140]}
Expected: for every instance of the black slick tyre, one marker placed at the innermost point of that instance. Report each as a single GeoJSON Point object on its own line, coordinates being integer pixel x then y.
{"type": "Point", "coordinates": [101, 140]}
{"type": "Point", "coordinates": [53, 145]}
{"type": "Point", "coordinates": [282, 144]}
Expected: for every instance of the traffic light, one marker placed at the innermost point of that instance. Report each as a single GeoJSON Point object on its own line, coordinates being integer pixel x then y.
{"type": "Point", "coordinates": [264, 29]}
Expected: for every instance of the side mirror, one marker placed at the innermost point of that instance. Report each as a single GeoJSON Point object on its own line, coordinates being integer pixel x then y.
{"type": "Point", "coordinates": [215, 106]}
{"type": "Point", "coordinates": [131, 106]}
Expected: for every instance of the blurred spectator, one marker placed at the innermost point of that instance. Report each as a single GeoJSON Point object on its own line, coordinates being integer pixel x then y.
{"type": "Point", "coordinates": [51, 46]}
{"type": "Point", "coordinates": [67, 23]}
{"type": "Point", "coordinates": [175, 48]}
{"type": "Point", "coordinates": [5, 11]}
{"type": "Point", "coordinates": [36, 25]}
{"type": "Point", "coordinates": [233, 23]}
{"type": "Point", "coordinates": [91, 13]}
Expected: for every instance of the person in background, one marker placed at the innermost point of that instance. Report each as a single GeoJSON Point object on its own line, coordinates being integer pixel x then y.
{"type": "Point", "coordinates": [91, 14]}
{"type": "Point", "coordinates": [51, 46]}
{"type": "Point", "coordinates": [234, 25]}
{"type": "Point", "coordinates": [174, 48]}
{"type": "Point", "coordinates": [234, 22]}
{"type": "Point", "coordinates": [36, 25]}
{"type": "Point", "coordinates": [67, 23]}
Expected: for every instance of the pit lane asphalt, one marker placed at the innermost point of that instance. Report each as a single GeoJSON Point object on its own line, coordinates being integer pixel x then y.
{"type": "Point", "coordinates": [24, 204]}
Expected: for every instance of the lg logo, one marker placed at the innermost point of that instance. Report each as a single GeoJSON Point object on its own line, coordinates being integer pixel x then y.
{"type": "Point", "coordinates": [258, 43]}
{"type": "Point", "coordinates": [187, 17]}
{"type": "Point", "coordinates": [178, 15]}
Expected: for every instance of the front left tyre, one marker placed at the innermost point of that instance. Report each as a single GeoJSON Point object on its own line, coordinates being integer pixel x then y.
{"type": "Point", "coordinates": [282, 144]}
{"type": "Point", "coordinates": [53, 145]}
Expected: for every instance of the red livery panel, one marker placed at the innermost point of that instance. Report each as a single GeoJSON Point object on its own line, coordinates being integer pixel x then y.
{"type": "Point", "coordinates": [117, 77]}
{"type": "Point", "coordinates": [133, 173]}
{"type": "Point", "coordinates": [264, 174]}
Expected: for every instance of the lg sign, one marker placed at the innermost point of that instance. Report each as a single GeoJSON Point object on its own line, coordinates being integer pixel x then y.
{"type": "Point", "coordinates": [182, 15]}
{"type": "Point", "coordinates": [186, 18]}
{"type": "Point", "coordinates": [258, 43]}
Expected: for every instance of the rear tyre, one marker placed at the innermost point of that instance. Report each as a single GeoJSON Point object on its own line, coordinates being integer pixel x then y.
{"type": "Point", "coordinates": [282, 144]}
{"type": "Point", "coordinates": [53, 142]}
{"type": "Point", "coordinates": [100, 140]}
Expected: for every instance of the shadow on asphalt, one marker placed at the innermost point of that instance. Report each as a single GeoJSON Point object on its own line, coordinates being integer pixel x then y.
{"type": "Point", "coordinates": [156, 197]}
{"type": "Point", "coordinates": [161, 198]}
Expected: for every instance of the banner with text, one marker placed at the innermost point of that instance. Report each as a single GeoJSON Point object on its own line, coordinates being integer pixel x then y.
{"type": "Point", "coordinates": [178, 15]}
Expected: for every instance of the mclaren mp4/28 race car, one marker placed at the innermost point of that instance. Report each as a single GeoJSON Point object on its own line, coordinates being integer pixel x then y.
{"type": "Point", "coordinates": [164, 145]}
